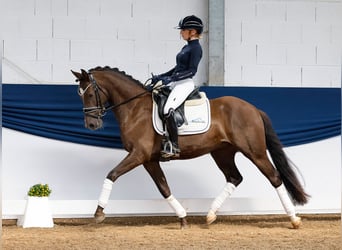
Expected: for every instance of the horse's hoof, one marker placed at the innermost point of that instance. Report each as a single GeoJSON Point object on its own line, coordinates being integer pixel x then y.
{"type": "Point", "coordinates": [183, 224]}
{"type": "Point", "coordinates": [99, 217]}
{"type": "Point", "coordinates": [296, 222]}
{"type": "Point", "coordinates": [211, 217]}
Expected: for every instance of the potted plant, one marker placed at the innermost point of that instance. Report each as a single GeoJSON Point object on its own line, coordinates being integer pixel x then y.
{"type": "Point", "coordinates": [39, 190]}
{"type": "Point", "coordinates": [37, 211]}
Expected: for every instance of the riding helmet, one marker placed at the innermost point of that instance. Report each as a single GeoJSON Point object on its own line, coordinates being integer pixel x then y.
{"type": "Point", "coordinates": [191, 22]}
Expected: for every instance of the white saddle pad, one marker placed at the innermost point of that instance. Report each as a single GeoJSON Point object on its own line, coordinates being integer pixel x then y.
{"type": "Point", "coordinates": [197, 114]}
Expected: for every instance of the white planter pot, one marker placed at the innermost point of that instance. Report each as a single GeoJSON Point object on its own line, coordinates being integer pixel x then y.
{"type": "Point", "coordinates": [37, 213]}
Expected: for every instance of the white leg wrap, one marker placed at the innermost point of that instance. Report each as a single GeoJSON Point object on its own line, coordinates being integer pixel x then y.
{"type": "Point", "coordinates": [225, 193]}
{"type": "Point", "coordinates": [286, 202]}
{"type": "Point", "coordinates": [105, 193]}
{"type": "Point", "coordinates": [176, 206]}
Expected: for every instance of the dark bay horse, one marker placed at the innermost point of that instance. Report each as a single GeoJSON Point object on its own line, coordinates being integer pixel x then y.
{"type": "Point", "coordinates": [236, 126]}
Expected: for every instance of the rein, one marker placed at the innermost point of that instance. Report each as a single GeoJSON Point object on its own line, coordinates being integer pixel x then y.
{"type": "Point", "coordinates": [99, 106]}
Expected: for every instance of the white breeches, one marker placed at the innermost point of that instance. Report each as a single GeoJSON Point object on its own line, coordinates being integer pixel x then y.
{"type": "Point", "coordinates": [180, 91]}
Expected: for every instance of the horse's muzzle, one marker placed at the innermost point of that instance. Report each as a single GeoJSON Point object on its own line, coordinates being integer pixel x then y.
{"type": "Point", "coordinates": [93, 123]}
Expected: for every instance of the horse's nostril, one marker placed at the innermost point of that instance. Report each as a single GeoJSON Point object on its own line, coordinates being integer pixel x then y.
{"type": "Point", "coordinates": [91, 126]}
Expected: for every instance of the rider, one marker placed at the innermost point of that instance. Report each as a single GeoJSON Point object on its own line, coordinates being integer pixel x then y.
{"type": "Point", "coordinates": [179, 78]}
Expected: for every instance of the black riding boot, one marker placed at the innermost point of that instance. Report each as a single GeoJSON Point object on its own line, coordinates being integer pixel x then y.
{"type": "Point", "coordinates": [170, 147]}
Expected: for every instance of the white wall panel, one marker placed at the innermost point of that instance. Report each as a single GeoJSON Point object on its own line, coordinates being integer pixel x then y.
{"type": "Point", "coordinates": [133, 29]}
{"type": "Point", "coordinates": [156, 9]}
{"type": "Point", "coordinates": [286, 76]}
{"type": "Point", "coordinates": [329, 12]}
{"type": "Point", "coordinates": [83, 8]}
{"type": "Point", "coordinates": [256, 32]}
{"type": "Point", "coordinates": [43, 8]}
{"type": "Point", "coordinates": [86, 50]}
{"type": "Point", "coordinates": [310, 32]}
{"type": "Point", "coordinates": [69, 27]}
{"type": "Point", "coordinates": [9, 27]}
{"type": "Point", "coordinates": [241, 54]}
{"type": "Point", "coordinates": [271, 11]}
{"type": "Point", "coordinates": [237, 10]}
{"type": "Point", "coordinates": [41, 71]}
{"type": "Point", "coordinates": [20, 49]}
{"type": "Point", "coordinates": [233, 31]}
{"type": "Point", "coordinates": [26, 72]}
{"type": "Point", "coordinates": [301, 54]}
{"type": "Point", "coordinates": [116, 9]}
{"type": "Point", "coordinates": [301, 11]}
{"type": "Point", "coordinates": [53, 50]}
{"type": "Point", "coordinates": [271, 54]}
{"type": "Point", "coordinates": [321, 76]}
{"type": "Point", "coordinates": [329, 55]}
{"type": "Point", "coordinates": [36, 27]}
{"type": "Point", "coordinates": [117, 49]}
{"type": "Point", "coordinates": [11, 74]}
{"type": "Point", "coordinates": [100, 28]}
{"type": "Point", "coordinates": [336, 34]}
{"type": "Point", "coordinates": [154, 50]}
{"type": "Point", "coordinates": [283, 33]}
{"type": "Point", "coordinates": [181, 9]}
{"type": "Point", "coordinates": [257, 75]}
{"type": "Point", "coordinates": [288, 34]}
{"type": "Point", "coordinates": [233, 73]}
{"type": "Point", "coordinates": [17, 7]}
{"type": "Point", "coordinates": [59, 7]}
{"type": "Point", "coordinates": [316, 33]}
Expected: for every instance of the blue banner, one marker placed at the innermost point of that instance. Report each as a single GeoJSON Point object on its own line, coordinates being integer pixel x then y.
{"type": "Point", "coordinates": [299, 115]}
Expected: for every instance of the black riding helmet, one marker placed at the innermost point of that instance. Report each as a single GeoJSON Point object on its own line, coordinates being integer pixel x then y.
{"type": "Point", "coordinates": [191, 22]}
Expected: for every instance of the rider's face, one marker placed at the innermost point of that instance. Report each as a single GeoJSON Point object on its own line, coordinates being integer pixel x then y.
{"type": "Point", "coordinates": [187, 34]}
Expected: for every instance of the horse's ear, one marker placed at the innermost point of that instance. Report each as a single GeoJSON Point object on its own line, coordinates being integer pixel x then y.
{"type": "Point", "coordinates": [85, 74]}
{"type": "Point", "coordinates": [78, 75]}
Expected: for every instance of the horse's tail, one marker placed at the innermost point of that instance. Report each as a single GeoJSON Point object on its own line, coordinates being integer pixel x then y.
{"type": "Point", "coordinates": [282, 163]}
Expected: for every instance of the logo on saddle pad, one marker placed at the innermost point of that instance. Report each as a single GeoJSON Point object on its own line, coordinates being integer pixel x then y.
{"type": "Point", "coordinates": [197, 117]}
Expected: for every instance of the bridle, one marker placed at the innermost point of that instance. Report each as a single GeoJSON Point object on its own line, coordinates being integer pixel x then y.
{"type": "Point", "coordinates": [88, 111]}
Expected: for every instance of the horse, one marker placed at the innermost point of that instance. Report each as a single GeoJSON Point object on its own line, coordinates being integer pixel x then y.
{"type": "Point", "coordinates": [236, 126]}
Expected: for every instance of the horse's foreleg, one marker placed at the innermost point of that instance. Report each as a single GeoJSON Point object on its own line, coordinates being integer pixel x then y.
{"type": "Point", "coordinates": [124, 166]}
{"type": "Point", "coordinates": [103, 200]}
{"type": "Point", "coordinates": [157, 174]}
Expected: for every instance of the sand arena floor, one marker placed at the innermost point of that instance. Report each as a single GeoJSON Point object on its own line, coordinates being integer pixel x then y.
{"type": "Point", "coordinates": [228, 232]}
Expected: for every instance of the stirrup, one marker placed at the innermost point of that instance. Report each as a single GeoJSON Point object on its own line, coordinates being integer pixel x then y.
{"type": "Point", "coordinates": [169, 150]}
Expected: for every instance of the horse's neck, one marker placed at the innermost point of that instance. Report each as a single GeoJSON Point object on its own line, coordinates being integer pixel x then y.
{"type": "Point", "coordinates": [121, 88]}
{"type": "Point", "coordinates": [124, 94]}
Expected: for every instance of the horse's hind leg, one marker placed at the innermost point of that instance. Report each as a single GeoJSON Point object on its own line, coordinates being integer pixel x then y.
{"type": "Point", "coordinates": [157, 174]}
{"type": "Point", "coordinates": [224, 158]}
{"type": "Point", "coordinates": [267, 169]}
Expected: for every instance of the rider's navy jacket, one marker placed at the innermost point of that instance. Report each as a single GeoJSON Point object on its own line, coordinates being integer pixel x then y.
{"type": "Point", "coordinates": [187, 61]}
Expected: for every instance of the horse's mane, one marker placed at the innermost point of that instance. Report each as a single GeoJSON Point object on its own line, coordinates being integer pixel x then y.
{"type": "Point", "coordinates": [116, 70]}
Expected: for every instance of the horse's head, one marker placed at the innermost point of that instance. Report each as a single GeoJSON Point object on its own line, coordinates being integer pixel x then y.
{"type": "Point", "coordinates": [94, 99]}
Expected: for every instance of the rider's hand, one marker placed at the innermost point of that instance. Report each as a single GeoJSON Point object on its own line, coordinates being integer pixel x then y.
{"type": "Point", "coordinates": [166, 80]}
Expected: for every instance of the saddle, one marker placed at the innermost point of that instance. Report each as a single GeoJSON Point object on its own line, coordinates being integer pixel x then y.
{"type": "Point", "coordinates": [192, 116]}
{"type": "Point", "coordinates": [160, 98]}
